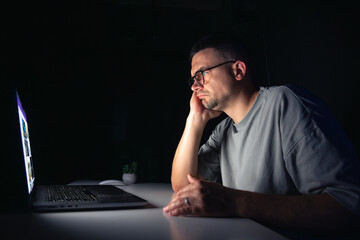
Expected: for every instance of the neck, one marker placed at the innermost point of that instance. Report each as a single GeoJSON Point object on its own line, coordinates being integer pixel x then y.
{"type": "Point", "coordinates": [242, 101]}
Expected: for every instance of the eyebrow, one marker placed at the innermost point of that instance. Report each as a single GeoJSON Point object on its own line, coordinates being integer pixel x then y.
{"type": "Point", "coordinates": [200, 69]}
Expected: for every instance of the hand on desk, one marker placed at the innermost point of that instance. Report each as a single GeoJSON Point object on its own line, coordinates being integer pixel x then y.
{"type": "Point", "coordinates": [318, 213]}
{"type": "Point", "coordinates": [202, 198]}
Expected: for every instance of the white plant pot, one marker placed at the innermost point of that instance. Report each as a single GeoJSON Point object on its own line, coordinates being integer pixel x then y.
{"type": "Point", "coordinates": [129, 178]}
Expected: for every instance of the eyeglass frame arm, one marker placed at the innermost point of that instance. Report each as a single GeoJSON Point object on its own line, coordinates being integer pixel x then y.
{"type": "Point", "coordinates": [193, 79]}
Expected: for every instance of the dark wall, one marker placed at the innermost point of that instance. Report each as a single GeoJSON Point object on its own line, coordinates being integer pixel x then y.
{"type": "Point", "coordinates": [105, 82]}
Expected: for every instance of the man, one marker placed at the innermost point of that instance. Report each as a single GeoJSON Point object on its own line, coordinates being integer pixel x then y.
{"type": "Point", "coordinates": [278, 158]}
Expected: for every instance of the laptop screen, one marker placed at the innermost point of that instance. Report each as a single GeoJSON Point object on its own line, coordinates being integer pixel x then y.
{"type": "Point", "coordinates": [30, 177]}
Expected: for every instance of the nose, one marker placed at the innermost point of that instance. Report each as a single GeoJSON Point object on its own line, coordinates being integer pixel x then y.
{"type": "Point", "coordinates": [196, 86]}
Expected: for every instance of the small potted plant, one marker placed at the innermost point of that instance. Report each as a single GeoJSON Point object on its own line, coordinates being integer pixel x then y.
{"type": "Point", "coordinates": [129, 173]}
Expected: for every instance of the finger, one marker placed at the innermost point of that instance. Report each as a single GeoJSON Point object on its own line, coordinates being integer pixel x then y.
{"type": "Point", "coordinates": [186, 188]}
{"type": "Point", "coordinates": [185, 211]}
{"type": "Point", "coordinates": [175, 198]}
{"type": "Point", "coordinates": [191, 179]}
{"type": "Point", "coordinates": [178, 203]}
{"type": "Point", "coordinates": [174, 203]}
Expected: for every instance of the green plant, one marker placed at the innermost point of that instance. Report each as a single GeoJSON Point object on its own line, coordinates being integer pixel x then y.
{"type": "Point", "coordinates": [130, 168]}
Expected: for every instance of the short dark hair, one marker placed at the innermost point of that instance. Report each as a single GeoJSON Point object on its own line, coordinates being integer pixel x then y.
{"type": "Point", "coordinates": [223, 43]}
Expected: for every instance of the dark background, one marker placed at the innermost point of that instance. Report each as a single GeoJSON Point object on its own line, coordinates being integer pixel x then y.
{"type": "Point", "coordinates": [104, 82]}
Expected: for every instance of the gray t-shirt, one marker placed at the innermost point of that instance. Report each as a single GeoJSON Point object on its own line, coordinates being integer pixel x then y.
{"type": "Point", "coordinates": [287, 144]}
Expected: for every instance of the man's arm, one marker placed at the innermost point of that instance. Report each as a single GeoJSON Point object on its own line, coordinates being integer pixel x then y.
{"type": "Point", "coordinates": [315, 214]}
{"type": "Point", "coordinates": [186, 155]}
{"type": "Point", "coordinates": [319, 213]}
{"type": "Point", "coordinates": [185, 159]}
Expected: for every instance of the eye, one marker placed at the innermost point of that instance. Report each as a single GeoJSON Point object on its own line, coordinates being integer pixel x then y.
{"type": "Point", "coordinates": [198, 76]}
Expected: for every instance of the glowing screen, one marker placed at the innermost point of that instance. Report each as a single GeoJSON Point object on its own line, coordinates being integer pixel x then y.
{"type": "Point", "coordinates": [26, 146]}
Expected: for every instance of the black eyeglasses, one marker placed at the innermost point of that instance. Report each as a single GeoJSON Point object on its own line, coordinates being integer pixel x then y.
{"type": "Point", "coordinates": [199, 76]}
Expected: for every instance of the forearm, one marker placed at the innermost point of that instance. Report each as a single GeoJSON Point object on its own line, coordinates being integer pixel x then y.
{"type": "Point", "coordinates": [315, 214]}
{"type": "Point", "coordinates": [185, 159]}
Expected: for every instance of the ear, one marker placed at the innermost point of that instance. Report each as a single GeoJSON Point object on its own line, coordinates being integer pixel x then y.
{"type": "Point", "coordinates": [239, 70]}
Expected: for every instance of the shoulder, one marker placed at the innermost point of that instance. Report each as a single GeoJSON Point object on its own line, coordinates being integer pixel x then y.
{"type": "Point", "coordinates": [294, 111]}
{"type": "Point", "coordinates": [293, 98]}
{"type": "Point", "coordinates": [275, 96]}
{"type": "Point", "coordinates": [223, 125]}
{"type": "Point", "coordinates": [220, 130]}
{"type": "Point", "coordinates": [284, 92]}
{"type": "Point", "coordinates": [217, 135]}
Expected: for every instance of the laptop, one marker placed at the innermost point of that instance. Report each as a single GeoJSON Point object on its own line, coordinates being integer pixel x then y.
{"type": "Point", "coordinates": [65, 197]}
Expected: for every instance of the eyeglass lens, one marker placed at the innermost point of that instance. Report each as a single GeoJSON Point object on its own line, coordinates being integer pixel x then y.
{"type": "Point", "coordinates": [199, 78]}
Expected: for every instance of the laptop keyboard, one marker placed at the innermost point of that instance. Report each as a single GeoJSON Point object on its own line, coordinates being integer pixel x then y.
{"type": "Point", "coordinates": [68, 193]}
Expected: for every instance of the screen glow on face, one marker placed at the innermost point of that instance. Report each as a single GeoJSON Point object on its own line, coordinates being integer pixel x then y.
{"type": "Point", "coordinates": [30, 178]}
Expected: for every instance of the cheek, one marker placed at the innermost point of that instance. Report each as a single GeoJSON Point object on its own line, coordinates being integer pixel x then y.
{"type": "Point", "coordinates": [219, 89]}
{"type": "Point", "coordinates": [221, 83]}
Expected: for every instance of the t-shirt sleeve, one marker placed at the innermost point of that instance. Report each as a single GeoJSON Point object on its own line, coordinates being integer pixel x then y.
{"type": "Point", "coordinates": [319, 157]}
{"type": "Point", "coordinates": [317, 166]}
{"type": "Point", "coordinates": [209, 155]}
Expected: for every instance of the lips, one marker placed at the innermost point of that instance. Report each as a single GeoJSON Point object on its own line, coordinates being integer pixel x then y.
{"type": "Point", "coordinates": [201, 95]}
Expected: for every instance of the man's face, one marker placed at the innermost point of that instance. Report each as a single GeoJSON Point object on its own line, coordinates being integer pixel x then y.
{"type": "Point", "coordinates": [218, 81]}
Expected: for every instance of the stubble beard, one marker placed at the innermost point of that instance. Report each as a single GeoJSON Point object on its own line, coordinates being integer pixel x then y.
{"type": "Point", "coordinates": [216, 104]}
{"type": "Point", "coordinates": [212, 104]}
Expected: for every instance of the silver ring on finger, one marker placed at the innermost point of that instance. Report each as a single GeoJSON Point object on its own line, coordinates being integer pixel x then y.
{"type": "Point", "coordinates": [187, 202]}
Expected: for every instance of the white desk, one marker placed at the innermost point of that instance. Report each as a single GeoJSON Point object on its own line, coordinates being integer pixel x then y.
{"type": "Point", "coordinates": [143, 223]}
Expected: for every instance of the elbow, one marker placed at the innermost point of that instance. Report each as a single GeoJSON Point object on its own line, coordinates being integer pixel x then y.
{"type": "Point", "coordinates": [175, 188]}
{"type": "Point", "coordinates": [177, 185]}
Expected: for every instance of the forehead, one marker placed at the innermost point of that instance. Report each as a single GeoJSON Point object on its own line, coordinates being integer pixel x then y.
{"type": "Point", "coordinates": [205, 58]}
